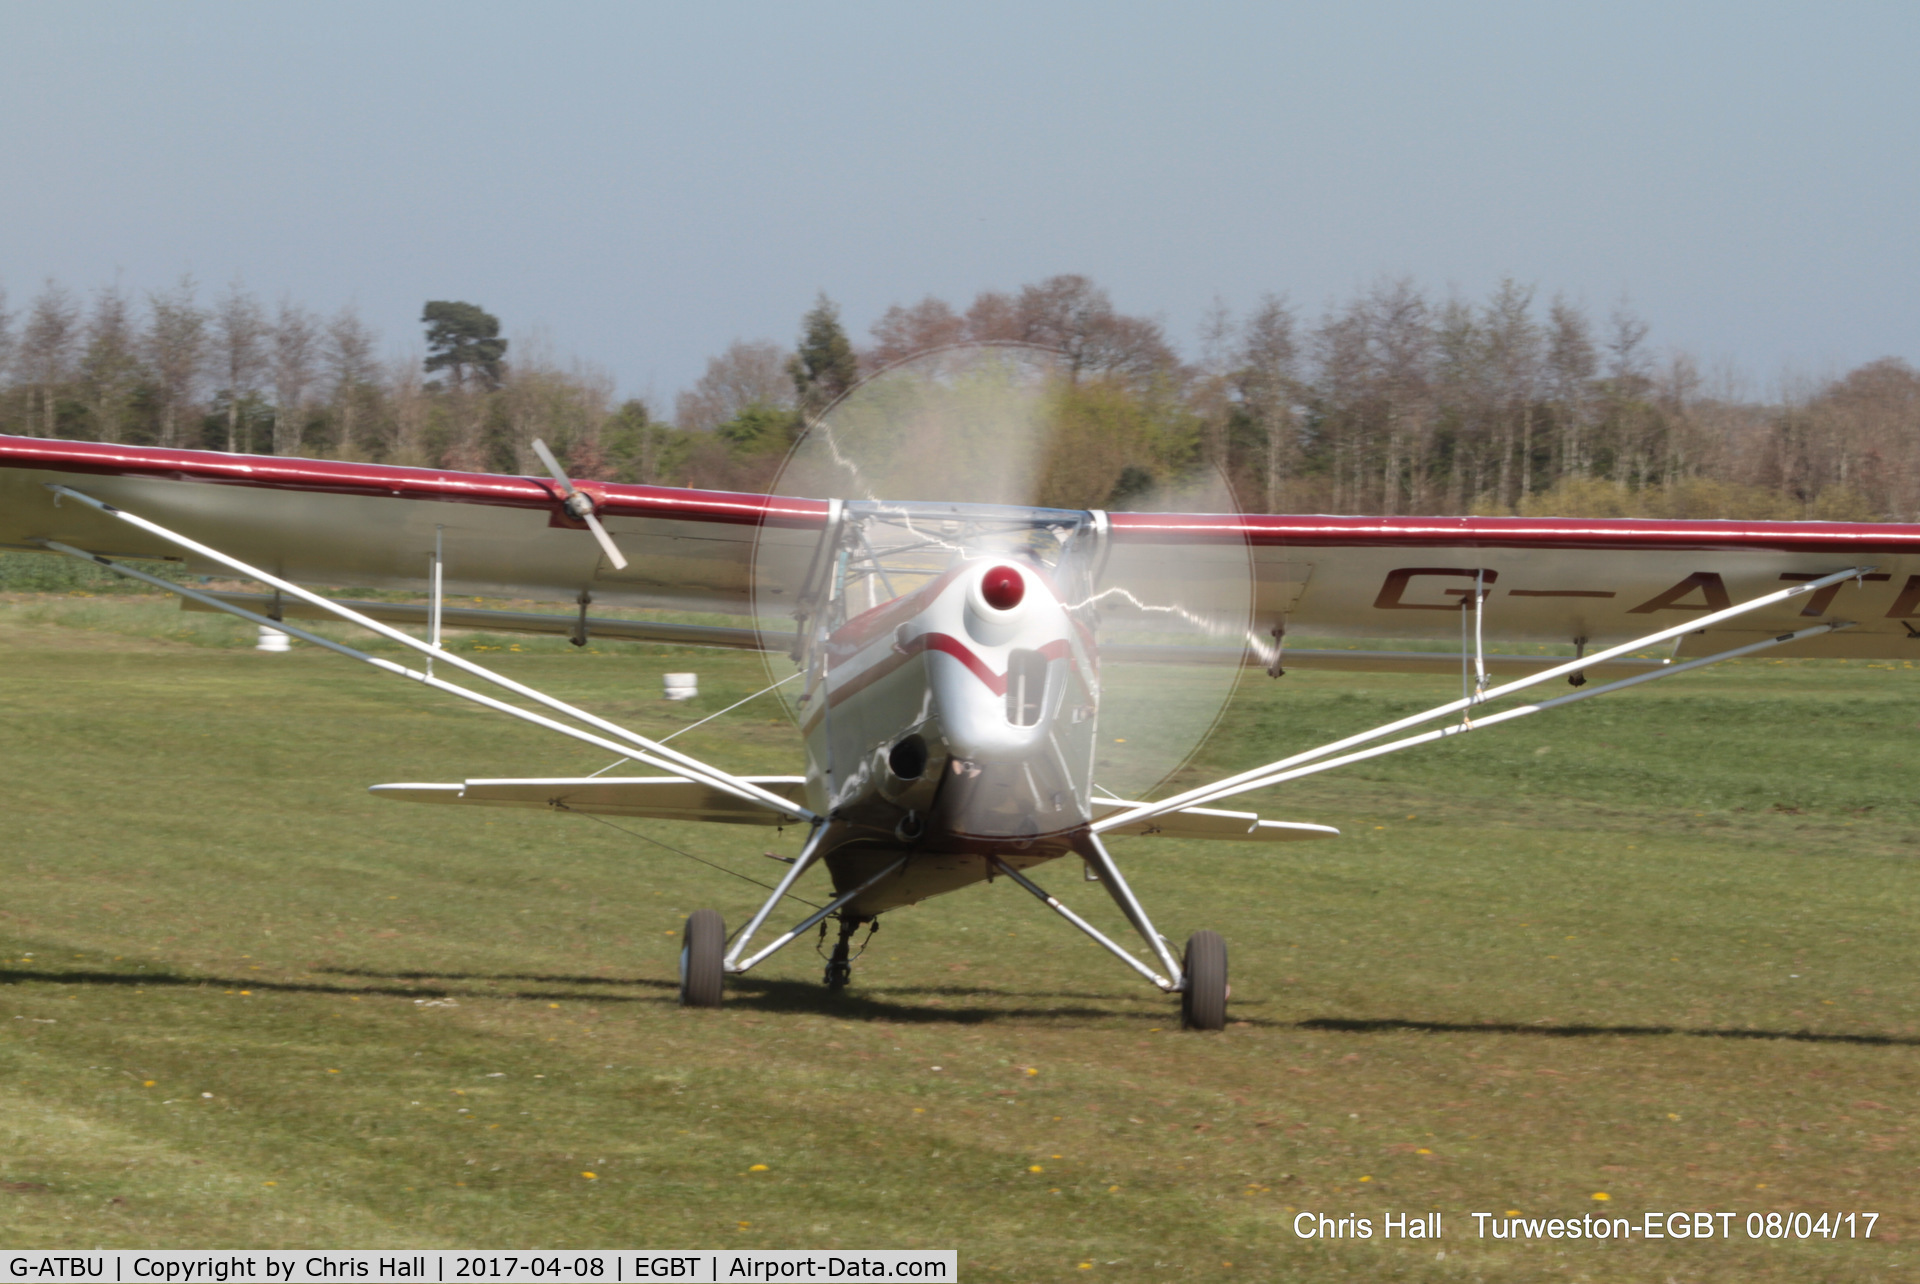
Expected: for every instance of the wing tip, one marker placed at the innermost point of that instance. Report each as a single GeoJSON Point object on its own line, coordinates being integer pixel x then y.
{"type": "Point", "coordinates": [418, 792]}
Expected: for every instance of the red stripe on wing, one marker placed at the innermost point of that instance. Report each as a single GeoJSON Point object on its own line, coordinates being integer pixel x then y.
{"type": "Point", "coordinates": [1621, 534]}
{"type": "Point", "coordinates": [274, 472]}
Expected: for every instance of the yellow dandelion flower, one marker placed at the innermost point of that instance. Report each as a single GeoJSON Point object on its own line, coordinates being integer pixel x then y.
{"type": "Point", "coordinates": [591, 1176]}
{"type": "Point", "coordinates": [333, 1072]}
{"type": "Point", "coordinates": [1035, 1168]}
{"type": "Point", "coordinates": [1602, 1195]}
{"type": "Point", "coordinates": [148, 1084]}
{"type": "Point", "coordinates": [1423, 1151]}
{"type": "Point", "coordinates": [758, 1168]}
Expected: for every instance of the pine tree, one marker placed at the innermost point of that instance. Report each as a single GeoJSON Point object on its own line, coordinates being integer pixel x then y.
{"type": "Point", "coordinates": [825, 366]}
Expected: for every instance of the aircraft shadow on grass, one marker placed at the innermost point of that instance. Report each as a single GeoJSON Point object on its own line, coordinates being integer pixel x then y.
{"type": "Point", "coordinates": [751, 993]}
{"type": "Point", "coordinates": [771, 995]}
{"type": "Point", "coordinates": [1391, 1025]}
{"type": "Point", "coordinates": [735, 985]}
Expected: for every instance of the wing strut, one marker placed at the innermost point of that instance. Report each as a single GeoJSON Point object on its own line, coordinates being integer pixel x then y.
{"type": "Point", "coordinates": [1278, 773]}
{"type": "Point", "coordinates": [648, 751]}
{"type": "Point", "coordinates": [792, 811]}
{"type": "Point", "coordinates": [1275, 772]}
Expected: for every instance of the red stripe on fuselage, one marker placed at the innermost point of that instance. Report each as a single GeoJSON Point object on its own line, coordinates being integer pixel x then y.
{"type": "Point", "coordinates": [946, 644]}
{"type": "Point", "coordinates": [851, 638]}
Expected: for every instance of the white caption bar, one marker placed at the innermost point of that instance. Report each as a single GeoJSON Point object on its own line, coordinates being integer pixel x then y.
{"type": "Point", "coordinates": [447, 1266]}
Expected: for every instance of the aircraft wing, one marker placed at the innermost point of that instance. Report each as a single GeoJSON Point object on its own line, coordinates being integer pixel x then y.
{"type": "Point", "coordinates": [1547, 580]}
{"type": "Point", "coordinates": [1212, 822]}
{"type": "Point", "coordinates": [653, 797]}
{"type": "Point", "coordinates": [677, 798]}
{"type": "Point", "coordinates": [1557, 580]}
{"type": "Point", "coordinates": [327, 522]}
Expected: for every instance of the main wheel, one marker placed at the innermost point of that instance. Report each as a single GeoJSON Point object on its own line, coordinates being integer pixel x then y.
{"type": "Point", "coordinates": [701, 971]}
{"type": "Point", "coordinates": [1203, 1004]}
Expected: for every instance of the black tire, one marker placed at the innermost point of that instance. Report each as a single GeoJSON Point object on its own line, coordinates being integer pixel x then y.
{"type": "Point", "coordinates": [1203, 1004]}
{"type": "Point", "coordinates": [701, 971]}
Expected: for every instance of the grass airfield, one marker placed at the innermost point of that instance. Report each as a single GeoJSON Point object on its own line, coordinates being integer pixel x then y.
{"type": "Point", "coordinates": [1658, 947]}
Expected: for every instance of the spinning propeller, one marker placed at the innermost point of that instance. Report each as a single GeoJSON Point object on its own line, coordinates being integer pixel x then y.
{"type": "Point", "coordinates": [580, 504]}
{"type": "Point", "coordinates": [996, 453]}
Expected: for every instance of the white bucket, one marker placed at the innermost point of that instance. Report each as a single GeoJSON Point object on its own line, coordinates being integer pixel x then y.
{"type": "Point", "coordinates": [272, 640]}
{"type": "Point", "coordinates": [681, 686]}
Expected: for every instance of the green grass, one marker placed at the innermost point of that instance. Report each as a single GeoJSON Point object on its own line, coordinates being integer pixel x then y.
{"type": "Point", "coordinates": [1660, 948]}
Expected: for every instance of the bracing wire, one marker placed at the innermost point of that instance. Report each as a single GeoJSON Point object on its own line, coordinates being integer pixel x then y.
{"type": "Point", "coordinates": [678, 852]}
{"type": "Point", "coordinates": [704, 721]}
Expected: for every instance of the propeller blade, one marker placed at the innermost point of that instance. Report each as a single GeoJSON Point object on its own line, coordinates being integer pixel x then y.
{"type": "Point", "coordinates": [584, 510]}
{"type": "Point", "coordinates": [606, 542]}
{"type": "Point", "coordinates": [553, 465]}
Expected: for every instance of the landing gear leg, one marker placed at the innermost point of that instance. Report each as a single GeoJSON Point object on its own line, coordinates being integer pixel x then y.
{"type": "Point", "coordinates": [840, 966]}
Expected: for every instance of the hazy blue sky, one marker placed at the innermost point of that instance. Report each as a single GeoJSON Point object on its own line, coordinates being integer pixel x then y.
{"type": "Point", "coordinates": [644, 183]}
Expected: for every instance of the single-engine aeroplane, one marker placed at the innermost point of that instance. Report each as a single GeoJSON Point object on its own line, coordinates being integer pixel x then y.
{"type": "Point", "coordinates": [984, 683]}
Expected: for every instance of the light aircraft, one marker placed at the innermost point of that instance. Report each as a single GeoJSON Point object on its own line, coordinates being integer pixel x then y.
{"type": "Point", "coordinates": [983, 683]}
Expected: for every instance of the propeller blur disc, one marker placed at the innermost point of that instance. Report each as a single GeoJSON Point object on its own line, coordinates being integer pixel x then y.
{"type": "Point", "coordinates": [999, 450]}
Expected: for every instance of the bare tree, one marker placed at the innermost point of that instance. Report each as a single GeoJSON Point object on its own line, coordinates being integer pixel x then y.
{"type": "Point", "coordinates": [1209, 390]}
{"type": "Point", "coordinates": [1627, 387]}
{"type": "Point", "coordinates": [48, 345]}
{"type": "Point", "coordinates": [6, 334]}
{"type": "Point", "coordinates": [1400, 345]}
{"type": "Point", "coordinates": [110, 369]}
{"type": "Point", "coordinates": [1873, 415]}
{"type": "Point", "coordinates": [902, 332]}
{"type": "Point", "coordinates": [1513, 345]}
{"type": "Point", "coordinates": [239, 334]}
{"type": "Point", "coordinates": [994, 317]}
{"type": "Point", "coordinates": [1459, 375]}
{"type": "Point", "coordinates": [1074, 316]}
{"type": "Point", "coordinates": [1340, 368]}
{"type": "Point", "coordinates": [410, 409]}
{"type": "Point", "coordinates": [747, 374]}
{"type": "Point", "coordinates": [565, 407]}
{"type": "Point", "coordinates": [1572, 362]}
{"type": "Point", "coordinates": [1676, 391]}
{"type": "Point", "coordinates": [347, 351]}
{"type": "Point", "coordinates": [295, 355]}
{"type": "Point", "coordinates": [176, 349]}
{"type": "Point", "coordinates": [1266, 378]}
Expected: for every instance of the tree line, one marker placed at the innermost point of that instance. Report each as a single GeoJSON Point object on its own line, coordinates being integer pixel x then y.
{"type": "Point", "coordinates": [1396, 400]}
